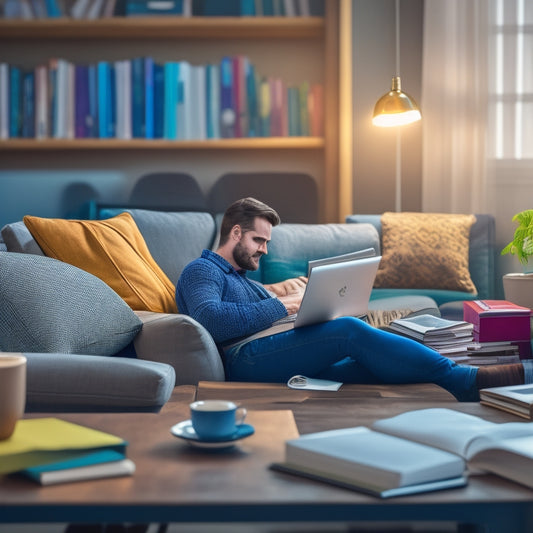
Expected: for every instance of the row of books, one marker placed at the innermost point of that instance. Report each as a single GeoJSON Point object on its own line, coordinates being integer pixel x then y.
{"type": "Point", "coordinates": [94, 9]}
{"type": "Point", "coordinates": [456, 340]}
{"type": "Point", "coordinates": [51, 451]}
{"type": "Point", "coordinates": [141, 98]}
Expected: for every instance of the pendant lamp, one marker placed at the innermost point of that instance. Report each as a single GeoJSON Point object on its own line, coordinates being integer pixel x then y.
{"type": "Point", "coordinates": [396, 108]}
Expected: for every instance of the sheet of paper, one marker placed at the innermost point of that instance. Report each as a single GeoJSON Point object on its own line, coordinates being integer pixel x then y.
{"type": "Point", "coordinates": [303, 382]}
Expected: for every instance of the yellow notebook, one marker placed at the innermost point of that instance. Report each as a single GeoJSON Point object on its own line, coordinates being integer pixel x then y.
{"type": "Point", "coordinates": [45, 440]}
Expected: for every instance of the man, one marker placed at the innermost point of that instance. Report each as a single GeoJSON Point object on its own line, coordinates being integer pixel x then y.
{"type": "Point", "coordinates": [215, 291]}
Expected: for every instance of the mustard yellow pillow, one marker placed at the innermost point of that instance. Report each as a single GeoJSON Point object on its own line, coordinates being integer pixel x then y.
{"type": "Point", "coordinates": [114, 251]}
{"type": "Point", "coordinates": [425, 251]}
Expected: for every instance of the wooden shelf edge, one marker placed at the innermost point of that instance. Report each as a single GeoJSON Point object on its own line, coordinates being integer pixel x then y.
{"type": "Point", "coordinates": [165, 28]}
{"type": "Point", "coordinates": [161, 144]}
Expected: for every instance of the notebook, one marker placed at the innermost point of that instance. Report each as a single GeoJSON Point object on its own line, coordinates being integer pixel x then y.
{"type": "Point", "coordinates": [333, 290]}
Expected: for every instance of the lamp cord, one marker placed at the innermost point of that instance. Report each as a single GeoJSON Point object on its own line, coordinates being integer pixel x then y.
{"type": "Point", "coordinates": [397, 37]}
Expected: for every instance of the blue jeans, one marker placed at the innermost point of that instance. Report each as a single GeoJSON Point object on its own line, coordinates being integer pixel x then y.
{"type": "Point", "coordinates": [347, 350]}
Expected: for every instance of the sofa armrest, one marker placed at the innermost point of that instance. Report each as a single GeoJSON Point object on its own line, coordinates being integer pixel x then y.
{"type": "Point", "coordinates": [181, 342]}
{"type": "Point", "coordinates": [60, 382]}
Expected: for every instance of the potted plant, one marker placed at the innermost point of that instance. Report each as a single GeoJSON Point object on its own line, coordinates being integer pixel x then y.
{"type": "Point", "coordinates": [518, 287]}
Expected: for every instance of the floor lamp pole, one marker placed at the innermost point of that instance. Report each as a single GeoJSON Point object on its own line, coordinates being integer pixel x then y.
{"type": "Point", "coordinates": [398, 200]}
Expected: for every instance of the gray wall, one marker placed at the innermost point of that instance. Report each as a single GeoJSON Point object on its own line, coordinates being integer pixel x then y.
{"type": "Point", "coordinates": [374, 65]}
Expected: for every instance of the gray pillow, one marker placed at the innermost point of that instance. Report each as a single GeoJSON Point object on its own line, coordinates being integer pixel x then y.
{"type": "Point", "coordinates": [19, 239]}
{"type": "Point", "coordinates": [50, 306]}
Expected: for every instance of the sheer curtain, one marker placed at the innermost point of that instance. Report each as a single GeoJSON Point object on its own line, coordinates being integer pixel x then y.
{"type": "Point", "coordinates": [454, 106]}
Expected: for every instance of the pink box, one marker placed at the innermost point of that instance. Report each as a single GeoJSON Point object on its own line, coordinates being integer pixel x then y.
{"type": "Point", "coordinates": [498, 320]}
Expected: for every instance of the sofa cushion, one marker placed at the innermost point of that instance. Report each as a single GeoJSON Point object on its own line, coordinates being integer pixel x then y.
{"type": "Point", "coordinates": [113, 250]}
{"type": "Point", "coordinates": [51, 306]}
{"type": "Point", "coordinates": [175, 238]}
{"type": "Point", "coordinates": [19, 239]}
{"type": "Point", "coordinates": [294, 245]}
{"type": "Point", "coordinates": [71, 382]}
{"type": "Point", "coordinates": [425, 250]}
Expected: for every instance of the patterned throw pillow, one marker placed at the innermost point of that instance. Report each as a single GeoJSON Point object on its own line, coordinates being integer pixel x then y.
{"type": "Point", "coordinates": [114, 251]}
{"type": "Point", "coordinates": [49, 306]}
{"type": "Point", "coordinates": [425, 251]}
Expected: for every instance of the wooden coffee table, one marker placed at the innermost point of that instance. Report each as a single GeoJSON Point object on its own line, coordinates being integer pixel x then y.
{"type": "Point", "coordinates": [177, 483]}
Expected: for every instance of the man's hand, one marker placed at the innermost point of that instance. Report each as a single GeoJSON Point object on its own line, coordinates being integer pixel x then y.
{"type": "Point", "coordinates": [292, 286]}
{"type": "Point", "coordinates": [289, 292]}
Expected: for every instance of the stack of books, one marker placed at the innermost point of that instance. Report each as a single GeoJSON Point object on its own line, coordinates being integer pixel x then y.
{"type": "Point", "coordinates": [448, 337]}
{"type": "Point", "coordinates": [51, 451]}
{"type": "Point", "coordinates": [500, 323]}
{"type": "Point", "coordinates": [455, 339]}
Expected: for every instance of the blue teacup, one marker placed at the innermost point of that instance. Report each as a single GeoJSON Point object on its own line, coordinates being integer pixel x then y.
{"type": "Point", "coordinates": [216, 419]}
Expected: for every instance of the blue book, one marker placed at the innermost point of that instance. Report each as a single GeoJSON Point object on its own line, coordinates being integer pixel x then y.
{"type": "Point", "coordinates": [225, 8]}
{"type": "Point", "coordinates": [52, 9]}
{"type": "Point", "coordinates": [15, 101]}
{"type": "Point", "coordinates": [81, 101]}
{"type": "Point", "coordinates": [227, 109]}
{"type": "Point", "coordinates": [103, 85]}
{"type": "Point", "coordinates": [159, 101]}
{"type": "Point", "coordinates": [171, 100]}
{"type": "Point", "coordinates": [100, 464]}
{"type": "Point", "coordinates": [213, 101]}
{"type": "Point", "coordinates": [254, 127]}
{"type": "Point", "coordinates": [247, 8]}
{"type": "Point", "coordinates": [28, 105]}
{"type": "Point", "coordinates": [144, 8]}
{"type": "Point", "coordinates": [268, 8]}
{"type": "Point", "coordinates": [149, 97]}
{"type": "Point", "coordinates": [112, 101]}
{"type": "Point", "coordinates": [137, 97]}
{"type": "Point", "coordinates": [92, 118]}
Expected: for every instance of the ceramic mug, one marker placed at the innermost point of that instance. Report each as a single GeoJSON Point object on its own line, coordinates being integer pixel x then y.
{"type": "Point", "coordinates": [12, 391]}
{"type": "Point", "coordinates": [216, 419]}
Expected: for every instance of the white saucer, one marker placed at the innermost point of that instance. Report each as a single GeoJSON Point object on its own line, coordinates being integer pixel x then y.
{"type": "Point", "coordinates": [184, 430]}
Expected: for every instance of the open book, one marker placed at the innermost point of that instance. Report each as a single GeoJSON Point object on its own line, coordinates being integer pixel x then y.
{"type": "Point", "coordinates": [417, 451]}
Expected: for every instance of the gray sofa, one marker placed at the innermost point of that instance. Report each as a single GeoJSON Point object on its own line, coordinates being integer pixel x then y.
{"type": "Point", "coordinates": [87, 350]}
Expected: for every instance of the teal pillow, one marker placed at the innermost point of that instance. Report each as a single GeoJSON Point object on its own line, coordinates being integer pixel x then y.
{"type": "Point", "coordinates": [50, 306]}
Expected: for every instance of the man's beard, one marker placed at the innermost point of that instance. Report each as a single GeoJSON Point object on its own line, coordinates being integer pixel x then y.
{"type": "Point", "coordinates": [244, 259]}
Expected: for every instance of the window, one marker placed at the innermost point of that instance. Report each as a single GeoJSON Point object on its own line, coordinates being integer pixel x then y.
{"type": "Point", "coordinates": [510, 70]}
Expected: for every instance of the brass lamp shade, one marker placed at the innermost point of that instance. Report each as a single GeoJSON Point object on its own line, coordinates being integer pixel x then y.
{"type": "Point", "coordinates": [395, 108]}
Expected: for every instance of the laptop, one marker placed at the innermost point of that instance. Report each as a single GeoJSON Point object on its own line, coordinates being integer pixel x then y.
{"type": "Point", "coordinates": [336, 289]}
{"type": "Point", "coordinates": [333, 289]}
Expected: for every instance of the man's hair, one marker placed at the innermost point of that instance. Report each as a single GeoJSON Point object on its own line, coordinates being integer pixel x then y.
{"type": "Point", "coordinates": [244, 212]}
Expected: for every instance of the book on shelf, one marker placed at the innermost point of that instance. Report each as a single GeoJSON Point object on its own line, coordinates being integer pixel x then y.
{"type": "Point", "coordinates": [147, 8]}
{"type": "Point", "coordinates": [95, 465]}
{"type": "Point", "coordinates": [42, 441]}
{"type": "Point", "coordinates": [4, 101]}
{"type": "Point", "coordinates": [417, 451]}
{"type": "Point", "coordinates": [143, 99]}
{"type": "Point", "coordinates": [516, 399]}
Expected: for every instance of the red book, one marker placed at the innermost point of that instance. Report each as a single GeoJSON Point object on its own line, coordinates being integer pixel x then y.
{"type": "Point", "coordinates": [498, 320]}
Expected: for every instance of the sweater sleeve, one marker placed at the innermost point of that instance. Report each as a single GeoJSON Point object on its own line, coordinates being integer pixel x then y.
{"type": "Point", "coordinates": [203, 292]}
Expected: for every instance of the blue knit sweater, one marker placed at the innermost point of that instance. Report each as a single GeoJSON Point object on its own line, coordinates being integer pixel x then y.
{"type": "Point", "coordinates": [228, 304]}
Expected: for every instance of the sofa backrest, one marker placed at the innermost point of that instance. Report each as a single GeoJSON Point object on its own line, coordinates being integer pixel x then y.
{"type": "Point", "coordinates": [293, 245]}
{"type": "Point", "coordinates": [174, 239]}
{"type": "Point", "coordinates": [481, 256]}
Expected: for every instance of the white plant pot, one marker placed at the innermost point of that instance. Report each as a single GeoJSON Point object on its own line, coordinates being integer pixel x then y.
{"type": "Point", "coordinates": [518, 288]}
